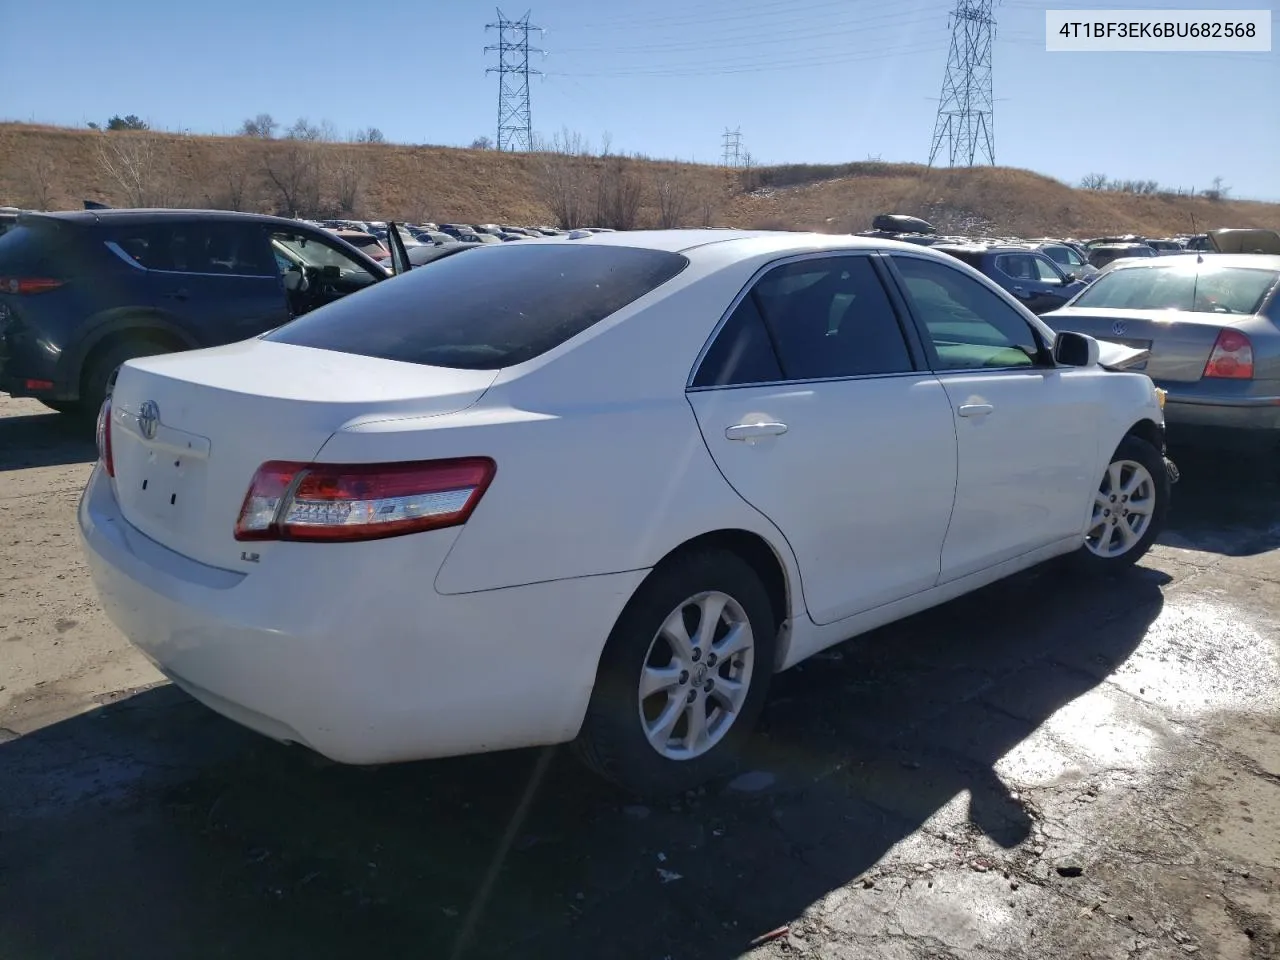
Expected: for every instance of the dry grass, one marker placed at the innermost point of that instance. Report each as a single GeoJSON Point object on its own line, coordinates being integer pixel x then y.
{"type": "Point", "coordinates": [59, 168]}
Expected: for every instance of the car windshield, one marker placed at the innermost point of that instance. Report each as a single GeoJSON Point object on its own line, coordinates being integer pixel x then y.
{"type": "Point", "coordinates": [1199, 288]}
{"type": "Point", "coordinates": [489, 309]}
{"type": "Point", "coordinates": [312, 253]}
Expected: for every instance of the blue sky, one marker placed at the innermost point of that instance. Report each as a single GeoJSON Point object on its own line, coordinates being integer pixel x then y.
{"type": "Point", "coordinates": [804, 80]}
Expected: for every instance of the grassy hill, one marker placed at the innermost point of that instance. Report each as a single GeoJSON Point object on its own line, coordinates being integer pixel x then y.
{"type": "Point", "coordinates": [56, 168]}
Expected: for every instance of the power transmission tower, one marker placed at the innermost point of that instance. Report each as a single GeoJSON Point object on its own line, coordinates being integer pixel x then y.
{"type": "Point", "coordinates": [965, 120]}
{"type": "Point", "coordinates": [515, 122]}
{"type": "Point", "coordinates": [732, 147]}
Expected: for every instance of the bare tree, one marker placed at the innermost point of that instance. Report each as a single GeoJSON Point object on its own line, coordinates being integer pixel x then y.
{"type": "Point", "coordinates": [37, 170]}
{"type": "Point", "coordinates": [708, 211]}
{"type": "Point", "coordinates": [606, 143]}
{"type": "Point", "coordinates": [1093, 181]}
{"type": "Point", "coordinates": [137, 166]}
{"type": "Point", "coordinates": [295, 170]}
{"type": "Point", "coordinates": [304, 129]}
{"type": "Point", "coordinates": [369, 135]}
{"type": "Point", "coordinates": [231, 185]}
{"type": "Point", "coordinates": [563, 177]}
{"type": "Point", "coordinates": [1217, 191]}
{"type": "Point", "coordinates": [263, 126]}
{"type": "Point", "coordinates": [749, 173]}
{"type": "Point", "coordinates": [619, 192]}
{"type": "Point", "coordinates": [348, 185]}
{"type": "Point", "coordinates": [672, 192]}
{"type": "Point", "coordinates": [482, 143]}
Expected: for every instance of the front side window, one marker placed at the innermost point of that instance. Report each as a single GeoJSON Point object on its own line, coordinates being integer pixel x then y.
{"type": "Point", "coordinates": [1045, 270]}
{"type": "Point", "coordinates": [970, 327]}
{"type": "Point", "coordinates": [830, 317]}
{"type": "Point", "coordinates": [1016, 266]}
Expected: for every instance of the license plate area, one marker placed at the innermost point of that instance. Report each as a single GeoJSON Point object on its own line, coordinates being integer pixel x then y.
{"type": "Point", "coordinates": [168, 487]}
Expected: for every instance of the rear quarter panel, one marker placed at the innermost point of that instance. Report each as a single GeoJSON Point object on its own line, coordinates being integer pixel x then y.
{"type": "Point", "coordinates": [601, 467]}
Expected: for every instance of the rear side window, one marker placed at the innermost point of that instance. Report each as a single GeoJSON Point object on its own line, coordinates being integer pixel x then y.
{"type": "Point", "coordinates": [830, 317]}
{"type": "Point", "coordinates": [494, 307]}
{"type": "Point", "coordinates": [741, 353]}
{"type": "Point", "coordinates": [198, 247]}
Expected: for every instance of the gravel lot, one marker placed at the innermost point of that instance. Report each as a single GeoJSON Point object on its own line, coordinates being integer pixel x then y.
{"type": "Point", "coordinates": [1049, 768]}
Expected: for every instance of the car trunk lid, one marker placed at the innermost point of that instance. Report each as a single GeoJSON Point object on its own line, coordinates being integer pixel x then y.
{"type": "Point", "coordinates": [190, 429]}
{"type": "Point", "coordinates": [1180, 342]}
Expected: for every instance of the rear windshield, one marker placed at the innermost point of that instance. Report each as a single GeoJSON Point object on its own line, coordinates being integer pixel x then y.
{"type": "Point", "coordinates": [37, 249]}
{"type": "Point", "coordinates": [1199, 288]}
{"type": "Point", "coordinates": [494, 307]}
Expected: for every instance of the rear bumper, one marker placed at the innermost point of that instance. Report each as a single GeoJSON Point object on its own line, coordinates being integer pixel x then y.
{"type": "Point", "coordinates": [365, 662]}
{"type": "Point", "coordinates": [1260, 414]}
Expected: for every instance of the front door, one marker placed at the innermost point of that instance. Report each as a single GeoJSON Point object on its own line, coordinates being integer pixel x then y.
{"type": "Point", "coordinates": [1027, 430]}
{"type": "Point", "coordinates": [820, 414]}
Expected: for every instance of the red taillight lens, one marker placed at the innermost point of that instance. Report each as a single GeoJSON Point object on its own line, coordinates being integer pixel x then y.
{"type": "Point", "coordinates": [104, 438]}
{"type": "Point", "coordinates": [28, 285]}
{"type": "Point", "coordinates": [1232, 357]}
{"type": "Point", "coordinates": [342, 502]}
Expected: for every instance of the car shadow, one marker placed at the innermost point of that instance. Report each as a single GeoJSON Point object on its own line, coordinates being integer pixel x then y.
{"type": "Point", "coordinates": [44, 440]}
{"type": "Point", "coordinates": [1224, 503]}
{"type": "Point", "coordinates": [152, 828]}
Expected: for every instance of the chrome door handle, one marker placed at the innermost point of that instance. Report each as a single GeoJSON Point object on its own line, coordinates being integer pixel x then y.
{"type": "Point", "coordinates": [974, 409]}
{"type": "Point", "coordinates": [753, 431]}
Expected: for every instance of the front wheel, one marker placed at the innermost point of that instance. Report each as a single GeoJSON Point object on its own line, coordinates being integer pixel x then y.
{"type": "Point", "coordinates": [1129, 508]}
{"type": "Point", "coordinates": [683, 676]}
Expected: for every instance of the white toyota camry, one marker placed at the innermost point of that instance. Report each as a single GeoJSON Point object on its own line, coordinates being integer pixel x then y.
{"type": "Point", "coordinates": [600, 490]}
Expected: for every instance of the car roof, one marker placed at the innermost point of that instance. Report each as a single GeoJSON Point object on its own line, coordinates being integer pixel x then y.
{"type": "Point", "coordinates": [1257, 261]}
{"type": "Point", "coordinates": [778, 242]}
{"type": "Point", "coordinates": [90, 217]}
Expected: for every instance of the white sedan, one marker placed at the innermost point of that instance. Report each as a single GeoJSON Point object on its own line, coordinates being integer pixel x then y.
{"type": "Point", "coordinates": [600, 490]}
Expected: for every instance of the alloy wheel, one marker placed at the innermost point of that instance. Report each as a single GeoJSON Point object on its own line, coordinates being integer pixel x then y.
{"type": "Point", "coordinates": [696, 675]}
{"type": "Point", "coordinates": [1123, 509]}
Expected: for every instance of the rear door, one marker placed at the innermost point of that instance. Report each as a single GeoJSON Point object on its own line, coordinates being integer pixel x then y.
{"type": "Point", "coordinates": [815, 403]}
{"type": "Point", "coordinates": [217, 277]}
{"type": "Point", "coordinates": [1026, 430]}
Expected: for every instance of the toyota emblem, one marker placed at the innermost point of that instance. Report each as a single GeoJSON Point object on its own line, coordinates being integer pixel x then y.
{"type": "Point", "coordinates": [148, 419]}
{"type": "Point", "coordinates": [1118, 328]}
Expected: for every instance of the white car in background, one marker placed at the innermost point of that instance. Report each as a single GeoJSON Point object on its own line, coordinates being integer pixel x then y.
{"type": "Point", "coordinates": [600, 490]}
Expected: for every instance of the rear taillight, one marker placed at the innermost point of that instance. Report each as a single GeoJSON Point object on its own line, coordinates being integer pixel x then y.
{"type": "Point", "coordinates": [28, 285]}
{"type": "Point", "coordinates": [104, 438]}
{"type": "Point", "coordinates": [337, 502]}
{"type": "Point", "coordinates": [1232, 357]}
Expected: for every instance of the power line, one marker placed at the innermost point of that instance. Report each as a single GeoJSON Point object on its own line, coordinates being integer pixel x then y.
{"type": "Point", "coordinates": [965, 112]}
{"type": "Point", "coordinates": [515, 120]}
{"type": "Point", "coordinates": [757, 36]}
{"type": "Point", "coordinates": [749, 64]}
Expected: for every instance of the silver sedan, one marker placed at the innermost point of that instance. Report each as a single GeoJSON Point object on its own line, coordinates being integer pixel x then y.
{"type": "Point", "coordinates": [1212, 326]}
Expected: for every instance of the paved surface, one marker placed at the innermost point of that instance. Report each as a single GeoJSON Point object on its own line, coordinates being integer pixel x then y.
{"type": "Point", "coordinates": [1049, 768]}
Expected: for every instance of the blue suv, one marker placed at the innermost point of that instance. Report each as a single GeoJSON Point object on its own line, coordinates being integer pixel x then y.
{"type": "Point", "coordinates": [1028, 274]}
{"type": "Point", "coordinates": [84, 291]}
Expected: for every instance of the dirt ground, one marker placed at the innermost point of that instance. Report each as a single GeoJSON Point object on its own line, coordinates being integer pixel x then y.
{"type": "Point", "coordinates": [1048, 768]}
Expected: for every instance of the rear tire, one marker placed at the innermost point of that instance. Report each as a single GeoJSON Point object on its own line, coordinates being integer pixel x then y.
{"type": "Point", "coordinates": [714, 685]}
{"type": "Point", "coordinates": [1130, 509]}
{"type": "Point", "coordinates": [99, 378]}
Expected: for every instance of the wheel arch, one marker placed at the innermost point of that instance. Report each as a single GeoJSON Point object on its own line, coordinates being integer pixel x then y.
{"type": "Point", "coordinates": [763, 558]}
{"type": "Point", "coordinates": [1148, 430]}
{"type": "Point", "coordinates": [152, 328]}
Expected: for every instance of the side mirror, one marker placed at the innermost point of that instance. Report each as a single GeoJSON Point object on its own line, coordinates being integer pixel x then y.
{"type": "Point", "coordinates": [1075, 349]}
